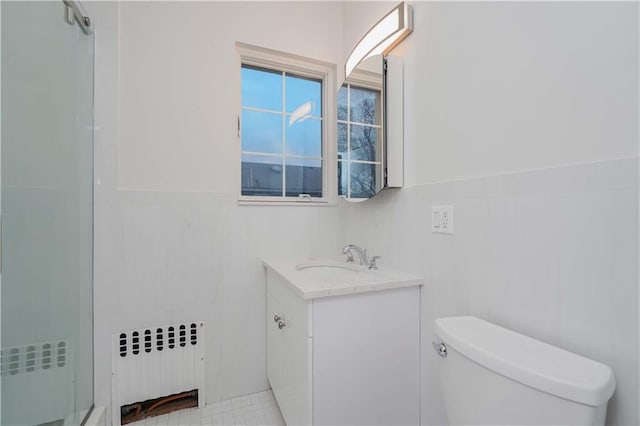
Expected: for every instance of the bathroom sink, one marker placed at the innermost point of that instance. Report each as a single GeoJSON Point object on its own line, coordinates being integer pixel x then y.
{"type": "Point", "coordinates": [322, 277]}
{"type": "Point", "coordinates": [328, 271]}
{"type": "Point", "coordinates": [328, 266]}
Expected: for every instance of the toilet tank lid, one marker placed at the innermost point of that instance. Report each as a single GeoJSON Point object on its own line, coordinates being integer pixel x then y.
{"type": "Point", "coordinates": [528, 361]}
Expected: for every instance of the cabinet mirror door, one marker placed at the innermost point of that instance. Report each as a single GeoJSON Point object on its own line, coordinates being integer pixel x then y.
{"type": "Point", "coordinates": [361, 132]}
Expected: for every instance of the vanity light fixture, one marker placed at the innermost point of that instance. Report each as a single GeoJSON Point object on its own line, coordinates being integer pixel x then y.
{"type": "Point", "coordinates": [383, 36]}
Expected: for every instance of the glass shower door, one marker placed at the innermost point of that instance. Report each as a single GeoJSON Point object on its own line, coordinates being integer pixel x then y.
{"type": "Point", "coordinates": [47, 215]}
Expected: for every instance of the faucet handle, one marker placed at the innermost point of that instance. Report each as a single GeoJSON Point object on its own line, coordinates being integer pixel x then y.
{"type": "Point", "coordinates": [372, 262]}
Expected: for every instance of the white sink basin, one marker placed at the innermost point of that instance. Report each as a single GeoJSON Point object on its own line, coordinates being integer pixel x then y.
{"type": "Point", "coordinates": [327, 271]}
{"type": "Point", "coordinates": [321, 277]}
{"type": "Point", "coordinates": [324, 267]}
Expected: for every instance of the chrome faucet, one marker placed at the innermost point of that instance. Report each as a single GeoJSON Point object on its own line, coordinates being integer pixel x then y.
{"type": "Point", "coordinates": [362, 256]}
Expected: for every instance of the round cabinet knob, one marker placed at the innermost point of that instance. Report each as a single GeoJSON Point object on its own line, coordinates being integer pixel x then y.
{"type": "Point", "coordinates": [281, 325]}
{"type": "Point", "coordinates": [276, 318]}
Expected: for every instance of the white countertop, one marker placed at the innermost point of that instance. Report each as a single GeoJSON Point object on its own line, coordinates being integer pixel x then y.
{"type": "Point", "coordinates": [314, 283]}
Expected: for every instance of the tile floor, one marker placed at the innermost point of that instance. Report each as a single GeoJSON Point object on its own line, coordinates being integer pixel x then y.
{"type": "Point", "coordinates": [255, 409]}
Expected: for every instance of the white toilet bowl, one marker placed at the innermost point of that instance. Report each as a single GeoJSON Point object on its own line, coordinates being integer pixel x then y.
{"type": "Point", "coordinates": [494, 376]}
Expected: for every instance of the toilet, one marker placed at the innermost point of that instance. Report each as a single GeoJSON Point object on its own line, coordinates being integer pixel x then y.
{"type": "Point", "coordinates": [491, 376]}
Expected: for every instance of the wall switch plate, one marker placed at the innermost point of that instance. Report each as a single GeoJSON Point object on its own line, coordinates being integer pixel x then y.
{"type": "Point", "coordinates": [442, 219]}
{"type": "Point", "coordinates": [435, 219]}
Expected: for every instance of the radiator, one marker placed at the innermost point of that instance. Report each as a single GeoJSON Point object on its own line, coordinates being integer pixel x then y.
{"type": "Point", "coordinates": [155, 362]}
{"type": "Point", "coordinates": [37, 382]}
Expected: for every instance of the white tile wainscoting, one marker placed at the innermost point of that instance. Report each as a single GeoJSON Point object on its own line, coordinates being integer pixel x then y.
{"type": "Point", "coordinates": [259, 409]}
{"type": "Point", "coordinates": [549, 253]}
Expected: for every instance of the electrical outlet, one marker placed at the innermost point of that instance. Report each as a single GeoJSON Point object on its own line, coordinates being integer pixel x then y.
{"type": "Point", "coordinates": [442, 219]}
{"type": "Point", "coordinates": [446, 219]}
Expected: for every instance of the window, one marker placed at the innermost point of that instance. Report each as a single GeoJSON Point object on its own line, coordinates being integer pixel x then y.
{"type": "Point", "coordinates": [283, 128]}
{"type": "Point", "coordinates": [359, 141]}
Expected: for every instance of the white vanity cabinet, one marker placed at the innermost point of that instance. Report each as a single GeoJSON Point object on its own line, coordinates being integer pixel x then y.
{"type": "Point", "coordinates": [346, 358]}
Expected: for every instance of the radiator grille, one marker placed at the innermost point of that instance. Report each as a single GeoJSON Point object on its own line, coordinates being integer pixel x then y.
{"type": "Point", "coordinates": [33, 357]}
{"type": "Point", "coordinates": [130, 345]}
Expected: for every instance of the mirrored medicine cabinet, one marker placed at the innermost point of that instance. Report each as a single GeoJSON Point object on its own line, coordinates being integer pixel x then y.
{"type": "Point", "coordinates": [370, 111]}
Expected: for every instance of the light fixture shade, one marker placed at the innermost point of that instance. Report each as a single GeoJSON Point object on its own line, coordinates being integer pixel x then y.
{"type": "Point", "coordinates": [383, 36]}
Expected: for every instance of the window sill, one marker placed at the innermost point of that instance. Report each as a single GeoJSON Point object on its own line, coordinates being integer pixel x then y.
{"type": "Point", "coordinates": [269, 201]}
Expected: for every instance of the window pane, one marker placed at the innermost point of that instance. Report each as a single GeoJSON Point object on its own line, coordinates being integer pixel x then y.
{"type": "Point", "coordinates": [304, 96]}
{"type": "Point", "coordinates": [261, 132]}
{"type": "Point", "coordinates": [364, 142]}
{"type": "Point", "coordinates": [365, 106]}
{"type": "Point", "coordinates": [261, 175]}
{"type": "Point", "coordinates": [342, 177]}
{"type": "Point", "coordinates": [363, 179]}
{"type": "Point", "coordinates": [342, 103]}
{"type": "Point", "coordinates": [261, 88]}
{"type": "Point", "coordinates": [342, 141]}
{"type": "Point", "coordinates": [304, 137]}
{"type": "Point", "coordinates": [303, 177]}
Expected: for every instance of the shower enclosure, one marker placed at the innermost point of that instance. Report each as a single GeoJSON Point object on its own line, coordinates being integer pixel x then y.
{"type": "Point", "coordinates": [46, 207]}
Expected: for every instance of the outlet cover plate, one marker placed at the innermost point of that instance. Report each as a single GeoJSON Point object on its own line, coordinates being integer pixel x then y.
{"type": "Point", "coordinates": [442, 219]}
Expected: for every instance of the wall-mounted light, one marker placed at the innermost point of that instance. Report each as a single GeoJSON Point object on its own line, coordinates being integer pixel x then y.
{"type": "Point", "coordinates": [383, 36]}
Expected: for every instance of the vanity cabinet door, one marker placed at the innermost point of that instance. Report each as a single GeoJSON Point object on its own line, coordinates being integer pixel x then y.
{"type": "Point", "coordinates": [275, 345]}
{"type": "Point", "coordinates": [366, 358]}
{"type": "Point", "coordinates": [289, 351]}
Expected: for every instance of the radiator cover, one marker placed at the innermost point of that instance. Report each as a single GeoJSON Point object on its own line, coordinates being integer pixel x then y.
{"type": "Point", "coordinates": [158, 361]}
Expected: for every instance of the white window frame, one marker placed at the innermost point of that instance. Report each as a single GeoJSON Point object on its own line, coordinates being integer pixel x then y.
{"type": "Point", "coordinates": [304, 67]}
{"type": "Point", "coordinates": [365, 80]}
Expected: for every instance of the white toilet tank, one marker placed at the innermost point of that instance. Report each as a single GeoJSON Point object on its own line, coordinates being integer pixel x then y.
{"type": "Point", "coordinates": [491, 376]}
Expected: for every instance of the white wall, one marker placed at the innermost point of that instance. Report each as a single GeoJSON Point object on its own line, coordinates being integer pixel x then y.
{"type": "Point", "coordinates": [171, 242]}
{"type": "Point", "coordinates": [492, 91]}
{"type": "Point", "coordinates": [501, 87]}
{"type": "Point", "coordinates": [180, 85]}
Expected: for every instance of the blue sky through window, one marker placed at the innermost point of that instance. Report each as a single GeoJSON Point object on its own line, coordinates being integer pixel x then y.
{"type": "Point", "coordinates": [261, 89]}
{"type": "Point", "coordinates": [281, 132]}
